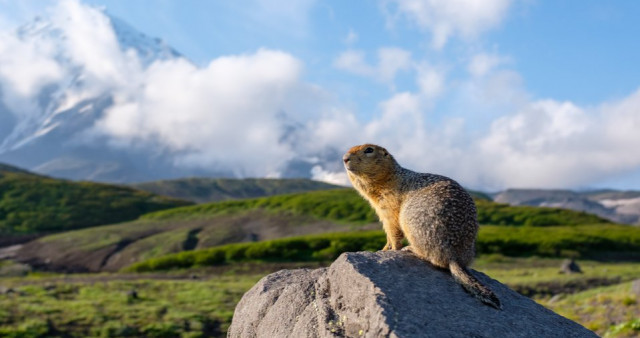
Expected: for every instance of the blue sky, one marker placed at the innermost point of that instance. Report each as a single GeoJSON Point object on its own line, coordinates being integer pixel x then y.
{"type": "Point", "coordinates": [583, 51]}
{"type": "Point", "coordinates": [468, 74]}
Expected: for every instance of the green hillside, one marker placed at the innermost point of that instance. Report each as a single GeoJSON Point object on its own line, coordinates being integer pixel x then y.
{"type": "Point", "coordinates": [345, 205]}
{"type": "Point", "coordinates": [203, 190]}
{"type": "Point", "coordinates": [31, 203]}
{"type": "Point", "coordinates": [588, 241]}
{"type": "Point", "coordinates": [504, 214]}
{"type": "Point", "coordinates": [4, 168]}
{"type": "Point", "coordinates": [207, 225]}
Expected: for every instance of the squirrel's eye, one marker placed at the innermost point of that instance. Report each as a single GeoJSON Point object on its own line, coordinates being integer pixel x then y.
{"type": "Point", "coordinates": [368, 150]}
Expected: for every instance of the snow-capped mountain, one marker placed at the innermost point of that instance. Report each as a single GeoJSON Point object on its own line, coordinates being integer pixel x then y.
{"type": "Point", "coordinates": [46, 131]}
{"type": "Point", "coordinates": [83, 95]}
{"type": "Point", "coordinates": [57, 104]}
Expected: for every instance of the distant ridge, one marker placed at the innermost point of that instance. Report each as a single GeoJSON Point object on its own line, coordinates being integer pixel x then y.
{"type": "Point", "coordinates": [32, 204]}
{"type": "Point", "coordinates": [204, 190]}
{"type": "Point", "coordinates": [614, 205]}
{"type": "Point", "coordinates": [5, 168]}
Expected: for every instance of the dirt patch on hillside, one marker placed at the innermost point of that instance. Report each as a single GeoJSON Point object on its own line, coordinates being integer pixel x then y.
{"type": "Point", "coordinates": [135, 241]}
{"type": "Point", "coordinates": [11, 240]}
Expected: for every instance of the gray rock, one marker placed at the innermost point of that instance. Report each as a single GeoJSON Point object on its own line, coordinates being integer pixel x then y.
{"type": "Point", "coordinates": [6, 290]}
{"type": "Point", "coordinates": [635, 287]}
{"type": "Point", "coordinates": [387, 294]}
{"type": "Point", "coordinates": [570, 266]}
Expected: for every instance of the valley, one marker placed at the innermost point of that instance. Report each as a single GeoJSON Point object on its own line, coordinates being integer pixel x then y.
{"type": "Point", "coordinates": [179, 269]}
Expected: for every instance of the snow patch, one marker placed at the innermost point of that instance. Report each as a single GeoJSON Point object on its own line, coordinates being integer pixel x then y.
{"type": "Point", "coordinates": [615, 203]}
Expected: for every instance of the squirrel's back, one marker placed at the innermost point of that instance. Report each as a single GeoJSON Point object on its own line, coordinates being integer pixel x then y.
{"type": "Point", "coordinates": [438, 218]}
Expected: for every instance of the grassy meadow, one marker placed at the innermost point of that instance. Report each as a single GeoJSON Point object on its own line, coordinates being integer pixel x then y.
{"type": "Point", "coordinates": [179, 272]}
{"type": "Point", "coordinates": [199, 302]}
{"type": "Point", "coordinates": [107, 306]}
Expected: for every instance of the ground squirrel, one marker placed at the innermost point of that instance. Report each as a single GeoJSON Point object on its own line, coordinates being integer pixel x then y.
{"type": "Point", "coordinates": [436, 215]}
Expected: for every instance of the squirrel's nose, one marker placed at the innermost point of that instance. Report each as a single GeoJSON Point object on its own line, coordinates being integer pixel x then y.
{"type": "Point", "coordinates": [346, 158]}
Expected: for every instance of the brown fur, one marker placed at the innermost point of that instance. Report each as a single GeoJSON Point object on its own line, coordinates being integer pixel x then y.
{"type": "Point", "coordinates": [434, 213]}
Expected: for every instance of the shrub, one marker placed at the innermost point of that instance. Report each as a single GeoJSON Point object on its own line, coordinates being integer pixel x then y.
{"type": "Point", "coordinates": [569, 241]}
{"type": "Point", "coordinates": [36, 204]}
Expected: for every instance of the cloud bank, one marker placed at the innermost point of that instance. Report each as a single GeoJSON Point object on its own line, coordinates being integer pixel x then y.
{"type": "Point", "coordinates": [253, 114]}
{"type": "Point", "coordinates": [447, 18]}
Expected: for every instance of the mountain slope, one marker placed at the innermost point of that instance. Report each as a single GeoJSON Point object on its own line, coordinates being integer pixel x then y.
{"type": "Point", "coordinates": [36, 204]}
{"type": "Point", "coordinates": [4, 168]}
{"type": "Point", "coordinates": [203, 190]}
{"type": "Point", "coordinates": [617, 206]}
{"type": "Point", "coordinates": [51, 130]}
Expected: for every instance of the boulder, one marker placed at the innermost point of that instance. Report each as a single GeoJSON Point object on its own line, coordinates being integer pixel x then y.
{"type": "Point", "coordinates": [387, 294]}
{"type": "Point", "coordinates": [570, 266]}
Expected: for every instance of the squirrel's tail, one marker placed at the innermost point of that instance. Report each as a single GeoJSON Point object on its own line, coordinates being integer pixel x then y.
{"type": "Point", "coordinates": [473, 285]}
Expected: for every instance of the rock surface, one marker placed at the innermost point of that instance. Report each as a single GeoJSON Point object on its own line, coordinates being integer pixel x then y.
{"type": "Point", "coordinates": [387, 294]}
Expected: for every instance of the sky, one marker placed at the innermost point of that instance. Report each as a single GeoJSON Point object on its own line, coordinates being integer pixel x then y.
{"type": "Point", "coordinates": [495, 93]}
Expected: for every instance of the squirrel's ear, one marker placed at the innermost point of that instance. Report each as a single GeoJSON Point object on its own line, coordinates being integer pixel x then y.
{"type": "Point", "coordinates": [385, 152]}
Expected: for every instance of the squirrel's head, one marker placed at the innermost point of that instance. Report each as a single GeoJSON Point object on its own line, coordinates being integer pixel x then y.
{"type": "Point", "coordinates": [369, 162]}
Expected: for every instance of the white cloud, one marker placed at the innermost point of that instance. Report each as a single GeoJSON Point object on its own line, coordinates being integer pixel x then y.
{"type": "Point", "coordinates": [351, 37]}
{"type": "Point", "coordinates": [235, 114]}
{"type": "Point", "coordinates": [391, 60]}
{"type": "Point", "coordinates": [225, 116]}
{"type": "Point", "coordinates": [528, 142]}
{"type": "Point", "coordinates": [483, 63]}
{"type": "Point", "coordinates": [91, 42]}
{"type": "Point", "coordinates": [558, 144]}
{"type": "Point", "coordinates": [431, 81]}
{"type": "Point", "coordinates": [337, 178]}
{"type": "Point", "coordinates": [447, 18]}
{"type": "Point", "coordinates": [354, 61]}
{"type": "Point", "coordinates": [26, 67]}
{"type": "Point", "coordinates": [221, 115]}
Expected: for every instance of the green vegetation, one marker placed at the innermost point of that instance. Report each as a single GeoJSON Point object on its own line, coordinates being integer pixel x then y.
{"type": "Point", "coordinates": [112, 247]}
{"type": "Point", "coordinates": [521, 247]}
{"type": "Point", "coordinates": [37, 204]}
{"type": "Point", "coordinates": [11, 169]}
{"type": "Point", "coordinates": [600, 298]}
{"type": "Point", "coordinates": [340, 205]}
{"type": "Point", "coordinates": [103, 306]}
{"type": "Point", "coordinates": [541, 277]}
{"type": "Point", "coordinates": [573, 241]}
{"type": "Point", "coordinates": [536, 270]}
{"type": "Point", "coordinates": [95, 248]}
{"type": "Point", "coordinates": [346, 206]}
{"type": "Point", "coordinates": [172, 305]}
{"type": "Point", "coordinates": [612, 311]}
{"type": "Point", "coordinates": [600, 241]}
{"type": "Point", "coordinates": [203, 190]}
{"type": "Point", "coordinates": [325, 247]}
{"type": "Point", "coordinates": [504, 214]}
